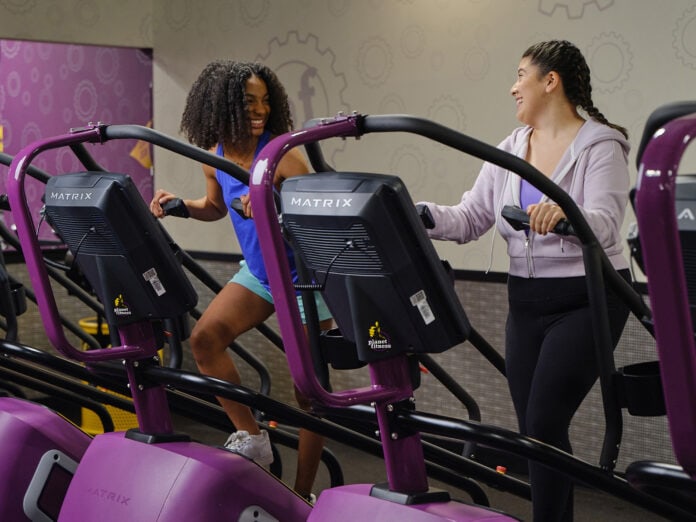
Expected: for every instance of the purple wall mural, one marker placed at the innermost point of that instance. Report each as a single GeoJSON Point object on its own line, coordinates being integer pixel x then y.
{"type": "Point", "coordinates": [46, 89]}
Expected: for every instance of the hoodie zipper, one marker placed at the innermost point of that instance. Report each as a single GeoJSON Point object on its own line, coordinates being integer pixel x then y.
{"type": "Point", "coordinates": [528, 255]}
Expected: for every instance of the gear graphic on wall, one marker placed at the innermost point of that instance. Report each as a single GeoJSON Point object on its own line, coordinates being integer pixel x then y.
{"type": "Point", "coordinates": [684, 38]}
{"type": "Point", "coordinates": [611, 61]}
{"type": "Point", "coordinates": [574, 9]}
{"type": "Point", "coordinates": [375, 61]}
{"type": "Point", "coordinates": [315, 88]}
{"type": "Point", "coordinates": [410, 163]}
{"type": "Point", "coordinates": [254, 12]}
{"type": "Point", "coordinates": [448, 111]}
{"type": "Point", "coordinates": [18, 6]}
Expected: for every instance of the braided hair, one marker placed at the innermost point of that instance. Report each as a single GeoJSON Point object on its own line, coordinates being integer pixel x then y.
{"type": "Point", "coordinates": [567, 60]}
{"type": "Point", "coordinates": [215, 108]}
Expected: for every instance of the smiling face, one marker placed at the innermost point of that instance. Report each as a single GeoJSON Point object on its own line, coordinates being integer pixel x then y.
{"type": "Point", "coordinates": [258, 105]}
{"type": "Point", "coordinates": [528, 91]}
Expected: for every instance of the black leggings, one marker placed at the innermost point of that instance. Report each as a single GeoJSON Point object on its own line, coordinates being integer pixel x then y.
{"type": "Point", "coordinates": [551, 367]}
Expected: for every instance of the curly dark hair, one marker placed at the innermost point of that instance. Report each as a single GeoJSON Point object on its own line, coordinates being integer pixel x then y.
{"type": "Point", "coordinates": [567, 60]}
{"type": "Point", "coordinates": [215, 109]}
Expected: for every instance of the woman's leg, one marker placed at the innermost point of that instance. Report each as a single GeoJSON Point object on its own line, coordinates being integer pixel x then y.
{"type": "Point", "coordinates": [233, 311]}
{"type": "Point", "coordinates": [566, 371]}
{"type": "Point", "coordinates": [551, 366]}
{"type": "Point", "coordinates": [309, 449]}
{"type": "Point", "coordinates": [310, 444]}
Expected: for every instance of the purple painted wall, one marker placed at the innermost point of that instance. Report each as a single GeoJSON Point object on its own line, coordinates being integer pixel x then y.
{"type": "Point", "coordinates": [47, 88]}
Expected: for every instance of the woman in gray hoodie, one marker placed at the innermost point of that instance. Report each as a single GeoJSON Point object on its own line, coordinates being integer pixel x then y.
{"type": "Point", "coordinates": [549, 347]}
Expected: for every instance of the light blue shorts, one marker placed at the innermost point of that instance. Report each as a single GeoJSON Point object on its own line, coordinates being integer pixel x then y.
{"type": "Point", "coordinates": [249, 281]}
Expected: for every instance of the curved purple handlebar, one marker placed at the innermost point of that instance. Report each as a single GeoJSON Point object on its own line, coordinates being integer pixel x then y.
{"type": "Point", "coordinates": [272, 245]}
{"type": "Point", "coordinates": [657, 222]}
{"type": "Point", "coordinates": [32, 252]}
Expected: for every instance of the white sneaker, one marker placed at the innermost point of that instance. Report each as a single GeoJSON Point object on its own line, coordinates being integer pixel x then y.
{"type": "Point", "coordinates": [253, 447]}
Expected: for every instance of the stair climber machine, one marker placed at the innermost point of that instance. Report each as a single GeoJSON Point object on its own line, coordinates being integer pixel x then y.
{"type": "Point", "coordinates": [365, 247]}
{"type": "Point", "coordinates": [151, 472]}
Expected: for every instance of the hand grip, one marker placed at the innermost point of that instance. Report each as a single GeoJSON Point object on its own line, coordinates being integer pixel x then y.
{"type": "Point", "coordinates": [175, 207]}
{"type": "Point", "coordinates": [237, 206]}
{"type": "Point", "coordinates": [519, 220]}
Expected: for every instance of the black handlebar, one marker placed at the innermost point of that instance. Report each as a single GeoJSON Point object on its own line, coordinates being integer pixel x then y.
{"type": "Point", "coordinates": [519, 220]}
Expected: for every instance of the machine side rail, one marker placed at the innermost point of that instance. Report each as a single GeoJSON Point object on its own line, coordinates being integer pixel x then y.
{"type": "Point", "coordinates": [140, 132]}
{"type": "Point", "coordinates": [32, 171]}
{"type": "Point", "coordinates": [485, 152]}
{"type": "Point", "coordinates": [47, 385]}
{"type": "Point", "coordinates": [597, 265]}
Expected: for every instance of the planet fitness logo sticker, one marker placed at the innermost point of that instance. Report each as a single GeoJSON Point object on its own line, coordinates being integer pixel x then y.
{"type": "Point", "coordinates": [378, 340]}
{"type": "Point", "coordinates": [120, 306]}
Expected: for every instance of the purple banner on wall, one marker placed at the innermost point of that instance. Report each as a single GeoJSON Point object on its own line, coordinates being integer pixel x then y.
{"type": "Point", "coordinates": [46, 89]}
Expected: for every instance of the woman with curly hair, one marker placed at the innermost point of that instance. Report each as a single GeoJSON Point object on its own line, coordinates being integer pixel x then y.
{"type": "Point", "coordinates": [233, 109]}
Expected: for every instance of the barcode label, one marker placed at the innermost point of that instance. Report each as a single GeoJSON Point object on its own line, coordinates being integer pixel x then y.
{"type": "Point", "coordinates": [151, 277]}
{"type": "Point", "coordinates": [421, 302]}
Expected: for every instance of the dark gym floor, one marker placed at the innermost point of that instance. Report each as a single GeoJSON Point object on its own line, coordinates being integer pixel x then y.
{"type": "Point", "coordinates": [358, 467]}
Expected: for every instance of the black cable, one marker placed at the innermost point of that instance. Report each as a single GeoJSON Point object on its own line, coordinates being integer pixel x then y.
{"type": "Point", "coordinates": [320, 286]}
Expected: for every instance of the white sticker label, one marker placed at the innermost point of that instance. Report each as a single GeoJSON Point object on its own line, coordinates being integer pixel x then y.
{"type": "Point", "coordinates": [419, 301]}
{"type": "Point", "coordinates": [151, 277]}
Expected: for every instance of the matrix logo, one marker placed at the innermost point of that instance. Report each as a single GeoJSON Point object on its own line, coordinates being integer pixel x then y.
{"type": "Point", "coordinates": [686, 214]}
{"type": "Point", "coordinates": [108, 495]}
{"type": "Point", "coordinates": [321, 202]}
{"type": "Point", "coordinates": [70, 196]}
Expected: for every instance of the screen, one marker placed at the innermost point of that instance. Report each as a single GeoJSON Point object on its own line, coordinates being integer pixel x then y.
{"type": "Point", "coordinates": [119, 246]}
{"type": "Point", "coordinates": [362, 240]}
{"type": "Point", "coordinates": [52, 495]}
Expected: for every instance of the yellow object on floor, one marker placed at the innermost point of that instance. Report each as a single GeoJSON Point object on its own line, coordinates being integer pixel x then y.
{"type": "Point", "coordinates": [122, 419]}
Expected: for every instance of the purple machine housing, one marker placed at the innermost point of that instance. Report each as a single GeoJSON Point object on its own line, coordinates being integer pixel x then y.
{"type": "Point", "coordinates": [667, 280]}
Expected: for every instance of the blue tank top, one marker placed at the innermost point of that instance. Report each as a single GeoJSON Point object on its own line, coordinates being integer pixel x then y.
{"type": "Point", "coordinates": [245, 228]}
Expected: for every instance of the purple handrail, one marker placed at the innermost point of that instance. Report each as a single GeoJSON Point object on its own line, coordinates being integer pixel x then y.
{"type": "Point", "coordinates": [32, 252]}
{"type": "Point", "coordinates": [391, 383]}
{"type": "Point", "coordinates": [662, 254]}
{"type": "Point", "coordinates": [272, 245]}
{"type": "Point", "coordinates": [138, 338]}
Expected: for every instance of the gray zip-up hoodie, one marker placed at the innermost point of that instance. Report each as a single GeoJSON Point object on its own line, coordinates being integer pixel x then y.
{"type": "Point", "coordinates": [593, 171]}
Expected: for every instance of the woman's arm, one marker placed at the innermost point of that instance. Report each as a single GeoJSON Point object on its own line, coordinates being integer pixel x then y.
{"type": "Point", "coordinates": [210, 207]}
{"type": "Point", "coordinates": [474, 215]}
{"type": "Point", "coordinates": [605, 191]}
{"type": "Point", "coordinates": [293, 163]}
